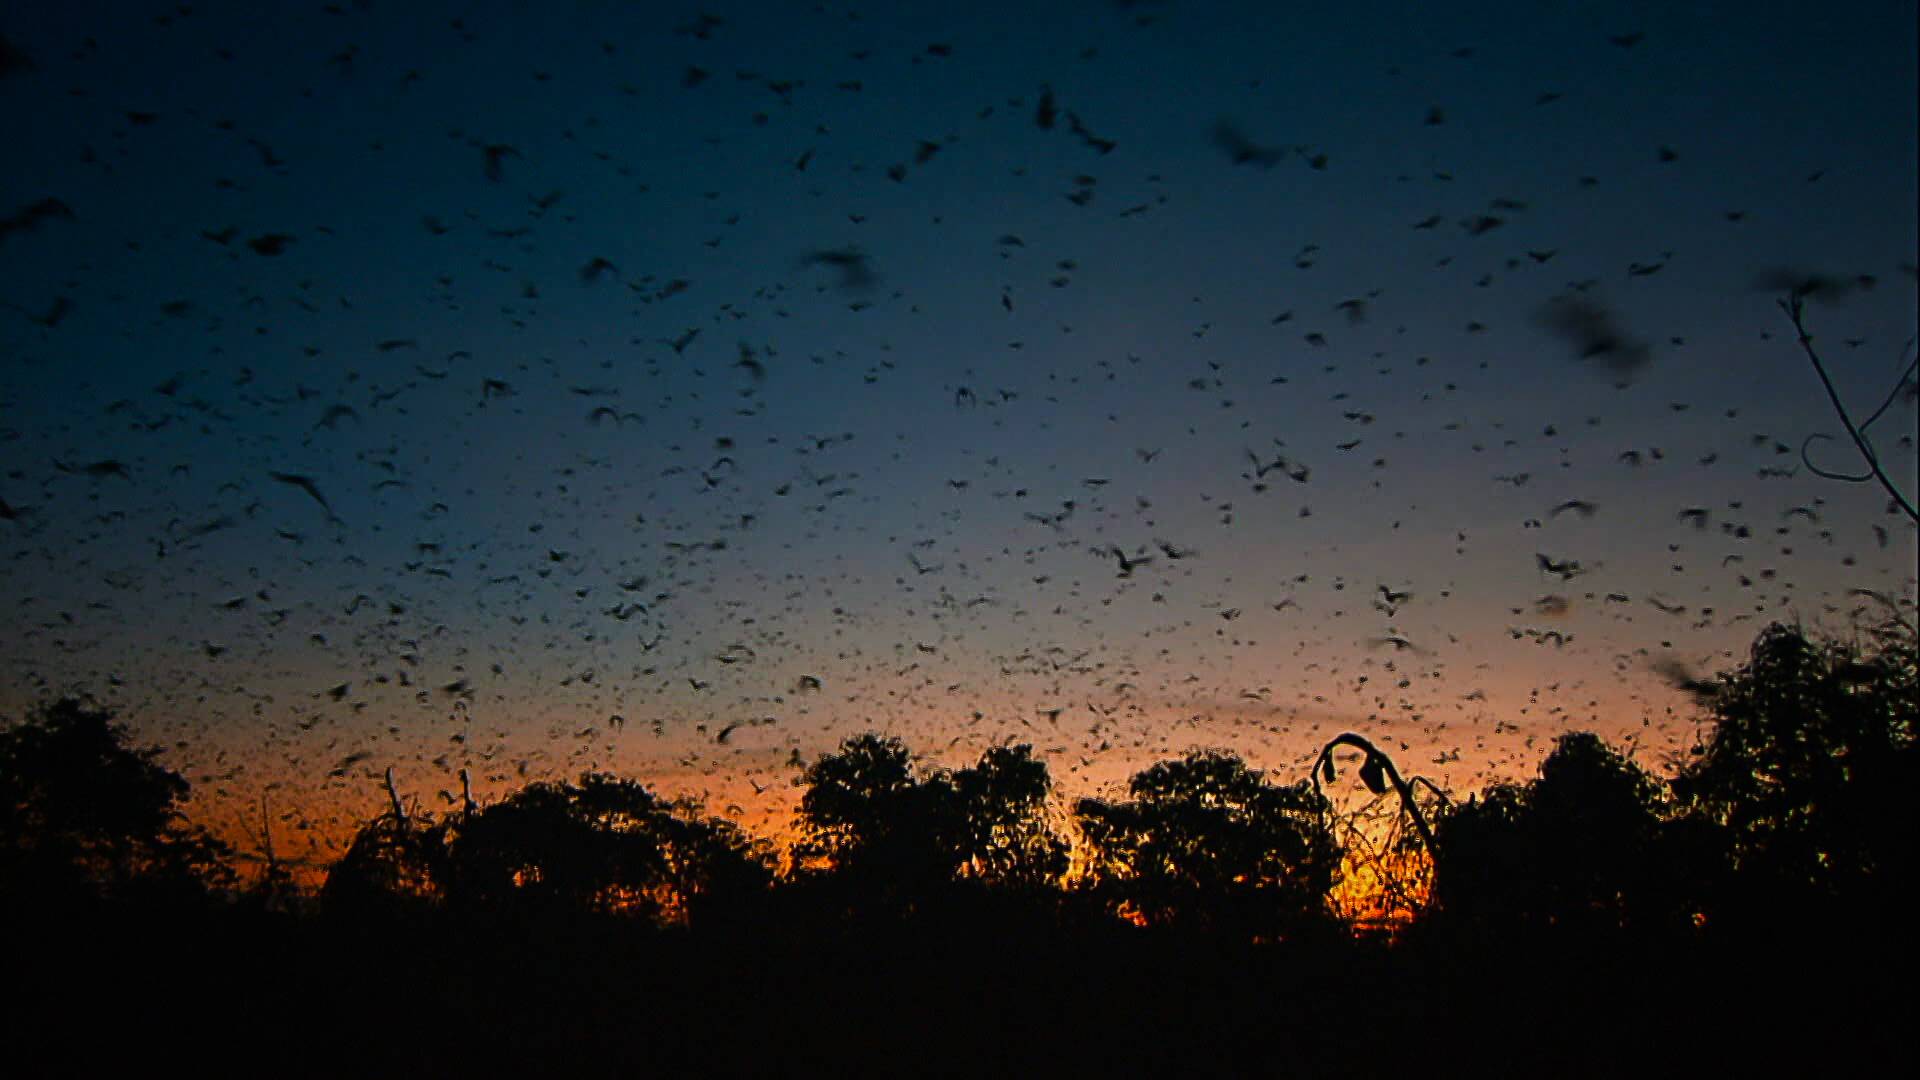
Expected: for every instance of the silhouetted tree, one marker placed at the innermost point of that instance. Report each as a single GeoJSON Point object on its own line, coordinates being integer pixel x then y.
{"type": "Point", "coordinates": [394, 864]}
{"type": "Point", "coordinates": [84, 817]}
{"type": "Point", "coordinates": [603, 845]}
{"type": "Point", "coordinates": [1584, 845]}
{"type": "Point", "coordinates": [1810, 768]}
{"type": "Point", "coordinates": [887, 838]}
{"type": "Point", "coordinates": [873, 824]}
{"type": "Point", "coordinates": [1006, 838]}
{"type": "Point", "coordinates": [1206, 841]}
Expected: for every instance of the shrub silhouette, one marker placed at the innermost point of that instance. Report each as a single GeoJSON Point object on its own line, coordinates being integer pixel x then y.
{"type": "Point", "coordinates": [85, 818]}
{"type": "Point", "coordinates": [1207, 842]}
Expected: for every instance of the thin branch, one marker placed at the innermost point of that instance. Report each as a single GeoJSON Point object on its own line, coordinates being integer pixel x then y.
{"type": "Point", "coordinates": [1794, 305]}
{"type": "Point", "coordinates": [393, 793]}
{"type": "Point", "coordinates": [266, 835]}
{"type": "Point", "coordinates": [1898, 384]}
{"type": "Point", "coordinates": [1893, 610]}
{"type": "Point", "coordinates": [1851, 478]}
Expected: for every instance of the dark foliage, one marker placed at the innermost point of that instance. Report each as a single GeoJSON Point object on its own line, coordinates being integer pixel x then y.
{"type": "Point", "coordinates": [867, 819]}
{"type": "Point", "coordinates": [1794, 813]}
{"type": "Point", "coordinates": [1809, 770]}
{"type": "Point", "coordinates": [1206, 841]}
{"type": "Point", "coordinates": [86, 819]}
{"type": "Point", "coordinates": [879, 837]}
{"type": "Point", "coordinates": [1006, 838]}
{"type": "Point", "coordinates": [394, 865]}
{"type": "Point", "coordinates": [602, 846]}
{"type": "Point", "coordinates": [1587, 846]}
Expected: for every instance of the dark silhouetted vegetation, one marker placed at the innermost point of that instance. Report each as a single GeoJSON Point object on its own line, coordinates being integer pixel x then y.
{"type": "Point", "coordinates": [602, 846]}
{"type": "Point", "coordinates": [1590, 844]}
{"type": "Point", "coordinates": [879, 836]}
{"type": "Point", "coordinates": [1593, 919]}
{"type": "Point", "coordinates": [1207, 841]}
{"type": "Point", "coordinates": [86, 820]}
{"type": "Point", "coordinates": [1808, 774]}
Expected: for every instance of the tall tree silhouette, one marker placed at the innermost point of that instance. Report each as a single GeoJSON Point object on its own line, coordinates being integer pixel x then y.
{"type": "Point", "coordinates": [1006, 838]}
{"type": "Point", "coordinates": [1810, 767]}
{"type": "Point", "coordinates": [886, 837]}
{"type": "Point", "coordinates": [1206, 841]}
{"type": "Point", "coordinates": [1584, 846]}
{"type": "Point", "coordinates": [874, 825]}
{"type": "Point", "coordinates": [84, 817]}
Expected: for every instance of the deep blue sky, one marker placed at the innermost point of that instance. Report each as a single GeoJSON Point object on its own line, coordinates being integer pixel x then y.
{"type": "Point", "coordinates": [1125, 328]}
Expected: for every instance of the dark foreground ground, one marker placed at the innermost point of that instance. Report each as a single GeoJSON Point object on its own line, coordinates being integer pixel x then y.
{"type": "Point", "coordinates": [270, 995]}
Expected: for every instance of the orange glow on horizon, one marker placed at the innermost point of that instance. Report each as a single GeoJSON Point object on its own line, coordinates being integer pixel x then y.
{"type": "Point", "coordinates": [1382, 892]}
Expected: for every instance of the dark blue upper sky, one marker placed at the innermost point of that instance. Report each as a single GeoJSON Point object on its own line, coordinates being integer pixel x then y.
{"type": "Point", "coordinates": [536, 387]}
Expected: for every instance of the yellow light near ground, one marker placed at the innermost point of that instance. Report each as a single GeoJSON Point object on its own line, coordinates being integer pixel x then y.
{"type": "Point", "coordinates": [1382, 891]}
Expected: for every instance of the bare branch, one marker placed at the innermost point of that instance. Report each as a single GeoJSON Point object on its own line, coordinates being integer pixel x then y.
{"type": "Point", "coordinates": [399, 812]}
{"type": "Point", "coordinates": [1851, 478]}
{"type": "Point", "coordinates": [1794, 305]}
{"type": "Point", "coordinates": [1906, 376]}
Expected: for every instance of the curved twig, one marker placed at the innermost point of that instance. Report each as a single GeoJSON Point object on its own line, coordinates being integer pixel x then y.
{"type": "Point", "coordinates": [1823, 474]}
{"type": "Point", "coordinates": [1445, 799]}
{"type": "Point", "coordinates": [1794, 305]}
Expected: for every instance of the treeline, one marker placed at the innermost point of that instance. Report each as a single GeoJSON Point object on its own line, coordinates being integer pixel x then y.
{"type": "Point", "coordinates": [1785, 843]}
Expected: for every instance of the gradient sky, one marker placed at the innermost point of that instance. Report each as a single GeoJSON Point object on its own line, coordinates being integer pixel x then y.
{"type": "Point", "coordinates": [618, 456]}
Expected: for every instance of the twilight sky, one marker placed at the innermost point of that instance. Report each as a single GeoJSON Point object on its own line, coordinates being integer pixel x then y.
{"type": "Point", "coordinates": [675, 389]}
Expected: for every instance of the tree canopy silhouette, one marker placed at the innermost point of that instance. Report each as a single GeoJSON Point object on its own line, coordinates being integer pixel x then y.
{"type": "Point", "coordinates": [1797, 800]}
{"type": "Point", "coordinates": [882, 832]}
{"type": "Point", "coordinates": [1586, 845]}
{"type": "Point", "coordinates": [1810, 766]}
{"type": "Point", "coordinates": [1207, 841]}
{"type": "Point", "coordinates": [865, 814]}
{"type": "Point", "coordinates": [394, 863]}
{"type": "Point", "coordinates": [1006, 838]}
{"type": "Point", "coordinates": [85, 817]}
{"type": "Point", "coordinates": [604, 845]}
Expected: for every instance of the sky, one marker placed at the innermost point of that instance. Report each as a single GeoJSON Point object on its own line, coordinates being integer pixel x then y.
{"type": "Point", "coordinates": [678, 390]}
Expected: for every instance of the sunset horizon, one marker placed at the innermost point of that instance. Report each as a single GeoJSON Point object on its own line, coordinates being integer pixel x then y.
{"type": "Point", "coordinates": [458, 451]}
